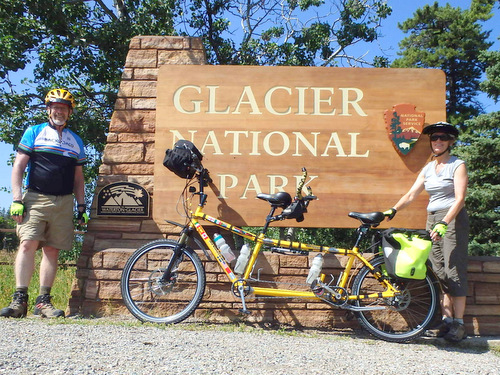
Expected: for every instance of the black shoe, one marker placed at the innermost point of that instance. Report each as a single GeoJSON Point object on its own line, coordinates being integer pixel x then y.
{"type": "Point", "coordinates": [18, 308]}
{"type": "Point", "coordinates": [45, 309]}
{"type": "Point", "coordinates": [457, 332]}
{"type": "Point", "coordinates": [440, 330]}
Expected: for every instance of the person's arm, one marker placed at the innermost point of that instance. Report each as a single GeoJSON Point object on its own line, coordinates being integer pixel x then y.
{"type": "Point", "coordinates": [79, 185]}
{"type": "Point", "coordinates": [415, 190]}
{"type": "Point", "coordinates": [79, 192]}
{"type": "Point", "coordinates": [18, 169]}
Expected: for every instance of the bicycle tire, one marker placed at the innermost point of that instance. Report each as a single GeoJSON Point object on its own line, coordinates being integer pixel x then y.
{"type": "Point", "coordinates": [150, 299]}
{"type": "Point", "coordinates": [397, 323]}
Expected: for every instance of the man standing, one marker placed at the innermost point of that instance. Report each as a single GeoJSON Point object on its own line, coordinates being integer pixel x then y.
{"type": "Point", "coordinates": [54, 156]}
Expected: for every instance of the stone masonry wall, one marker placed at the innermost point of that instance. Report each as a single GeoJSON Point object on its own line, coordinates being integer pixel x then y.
{"type": "Point", "coordinates": [129, 156]}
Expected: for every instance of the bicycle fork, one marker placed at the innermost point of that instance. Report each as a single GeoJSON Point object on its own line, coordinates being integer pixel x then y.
{"type": "Point", "coordinates": [174, 261]}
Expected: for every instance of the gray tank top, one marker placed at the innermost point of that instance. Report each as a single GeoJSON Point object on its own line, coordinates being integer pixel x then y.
{"type": "Point", "coordinates": [440, 185]}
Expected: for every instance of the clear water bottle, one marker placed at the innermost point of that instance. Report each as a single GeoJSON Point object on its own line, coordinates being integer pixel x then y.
{"type": "Point", "coordinates": [317, 265]}
{"type": "Point", "coordinates": [224, 248]}
{"type": "Point", "coordinates": [242, 261]}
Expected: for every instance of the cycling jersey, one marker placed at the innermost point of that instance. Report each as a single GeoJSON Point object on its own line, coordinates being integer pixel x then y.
{"type": "Point", "coordinates": [51, 169]}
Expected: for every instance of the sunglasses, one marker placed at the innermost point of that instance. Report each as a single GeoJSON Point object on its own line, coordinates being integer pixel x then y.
{"type": "Point", "coordinates": [443, 137]}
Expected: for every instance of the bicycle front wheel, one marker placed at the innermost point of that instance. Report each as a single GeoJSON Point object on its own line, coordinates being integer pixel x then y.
{"type": "Point", "coordinates": [402, 318]}
{"type": "Point", "coordinates": [151, 298]}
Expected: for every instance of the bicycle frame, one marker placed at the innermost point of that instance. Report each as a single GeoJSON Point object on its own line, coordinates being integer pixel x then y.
{"type": "Point", "coordinates": [261, 240]}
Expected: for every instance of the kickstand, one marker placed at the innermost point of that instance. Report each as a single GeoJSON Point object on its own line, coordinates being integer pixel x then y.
{"type": "Point", "coordinates": [244, 310]}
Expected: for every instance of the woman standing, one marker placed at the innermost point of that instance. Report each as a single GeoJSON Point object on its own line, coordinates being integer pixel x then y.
{"type": "Point", "coordinates": [445, 179]}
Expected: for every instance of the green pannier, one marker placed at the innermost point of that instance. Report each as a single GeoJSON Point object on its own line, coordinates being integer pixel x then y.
{"type": "Point", "coordinates": [406, 252]}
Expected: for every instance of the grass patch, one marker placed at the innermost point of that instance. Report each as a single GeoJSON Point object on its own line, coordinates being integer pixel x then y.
{"type": "Point", "coordinates": [60, 290]}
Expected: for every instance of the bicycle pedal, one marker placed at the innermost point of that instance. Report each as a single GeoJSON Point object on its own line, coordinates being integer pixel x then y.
{"type": "Point", "coordinates": [245, 311]}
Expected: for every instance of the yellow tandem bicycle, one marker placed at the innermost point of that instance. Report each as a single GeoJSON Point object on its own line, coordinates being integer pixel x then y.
{"type": "Point", "coordinates": [164, 280]}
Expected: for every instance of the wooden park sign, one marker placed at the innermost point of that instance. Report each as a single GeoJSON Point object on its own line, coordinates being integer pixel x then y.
{"type": "Point", "coordinates": [356, 130]}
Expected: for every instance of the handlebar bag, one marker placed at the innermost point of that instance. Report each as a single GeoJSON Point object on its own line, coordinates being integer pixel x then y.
{"type": "Point", "coordinates": [406, 252]}
{"type": "Point", "coordinates": [181, 158]}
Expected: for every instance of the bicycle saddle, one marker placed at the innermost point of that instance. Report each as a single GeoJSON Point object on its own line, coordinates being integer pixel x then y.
{"type": "Point", "coordinates": [281, 199]}
{"type": "Point", "coordinates": [372, 218]}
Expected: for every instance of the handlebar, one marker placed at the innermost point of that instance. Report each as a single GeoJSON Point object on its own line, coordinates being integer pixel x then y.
{"type": "Point", "coordinates": [309, 197]}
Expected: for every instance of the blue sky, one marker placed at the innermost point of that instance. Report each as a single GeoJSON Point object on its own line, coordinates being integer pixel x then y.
{"type": "Point", "coordinates": [386, 44]}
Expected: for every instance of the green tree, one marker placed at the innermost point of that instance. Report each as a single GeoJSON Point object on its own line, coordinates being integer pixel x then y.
{"type": "Point", "coordinates": [291, 32]}
{"type": "Point", "coordinates": [450, 39]}
{"type": "Point", "coordinates": [480, 148]}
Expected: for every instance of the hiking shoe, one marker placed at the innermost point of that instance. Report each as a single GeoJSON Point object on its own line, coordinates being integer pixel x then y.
{"type": "Point", "coordinates": [18, 308]}
{"type": "Point", "coordinates": [440, 330]}
{"type": "Point", "coordinates": [457, 332]}
{"type": "Point", "coordinates": [45, 309]}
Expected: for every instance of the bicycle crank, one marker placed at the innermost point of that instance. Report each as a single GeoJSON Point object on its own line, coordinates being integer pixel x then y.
{"type": "Point", "coordinates": [240, 290]}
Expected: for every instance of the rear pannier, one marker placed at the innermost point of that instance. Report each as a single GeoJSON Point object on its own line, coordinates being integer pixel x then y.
{"type": "Point", "coordinates": [406, 252]}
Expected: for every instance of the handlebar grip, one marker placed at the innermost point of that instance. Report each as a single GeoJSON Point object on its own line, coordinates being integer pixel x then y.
{"type": "Point", "coordinates": [301, 183]}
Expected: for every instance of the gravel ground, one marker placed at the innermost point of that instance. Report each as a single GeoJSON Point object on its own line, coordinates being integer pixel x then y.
{"type": "Point", "coordinates": [98, 347]}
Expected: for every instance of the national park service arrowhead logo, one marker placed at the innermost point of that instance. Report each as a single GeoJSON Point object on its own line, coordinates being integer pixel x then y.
{"type": "Point", "coordinates": [404, 126]}
{"type": "Point", "coordinates": [123, 199]}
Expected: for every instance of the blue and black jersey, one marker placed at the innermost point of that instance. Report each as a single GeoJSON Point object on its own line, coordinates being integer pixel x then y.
{"type": "Point", "coordinates": [51, 169]}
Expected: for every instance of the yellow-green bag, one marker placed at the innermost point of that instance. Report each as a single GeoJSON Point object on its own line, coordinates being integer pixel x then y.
{"type": "Point", "coordinates": [406, 252]}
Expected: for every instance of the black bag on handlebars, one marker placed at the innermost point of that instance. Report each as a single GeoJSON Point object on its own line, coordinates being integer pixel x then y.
{"type": "Point", "coordinates": [182, 159]}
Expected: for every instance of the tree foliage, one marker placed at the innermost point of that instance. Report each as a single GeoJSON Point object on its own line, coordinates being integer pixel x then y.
{"type": "Point", "coordinates": [480, 148]}
{"type": "Point", "coordinates": [290, 32]}
{"type": "Point", "coordinates": [451, 39]}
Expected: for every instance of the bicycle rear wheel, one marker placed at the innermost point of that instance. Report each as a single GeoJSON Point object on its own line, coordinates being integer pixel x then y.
{"type": "Point", "coordinates": [403, 318]}
{"type": "Point", "coordinates": [150, 298]}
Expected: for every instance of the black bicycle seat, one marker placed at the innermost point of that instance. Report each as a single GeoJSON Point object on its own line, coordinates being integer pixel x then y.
{"type": "Point", "coordinates": [281, 199]}
{"type": "Point", "coordinates": [372, 218]}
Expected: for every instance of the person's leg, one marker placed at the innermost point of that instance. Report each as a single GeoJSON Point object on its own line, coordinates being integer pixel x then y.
{"type": "Point", "coordinates": [48, 266]}
{"type": "Point", "coordinates": [48, 271]}
{"type": "Point", "coordinates": [459, 307]}
{"type": "Point", "coordinates": [23, 269]}
{"type": "Point", "coordinates": [25, 262]}
{"type": "Point", "coordinates": [447, 305]}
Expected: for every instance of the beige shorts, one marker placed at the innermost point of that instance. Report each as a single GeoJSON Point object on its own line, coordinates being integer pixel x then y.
{"type": "Point", "coordinates": [49, 219]}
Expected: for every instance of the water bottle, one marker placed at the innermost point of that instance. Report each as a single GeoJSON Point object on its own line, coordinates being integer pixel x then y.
{"type": "Point", "coordinates": [224, 248]}
{"type": "Point", "coordinates": [315, 270]}
{"type": "Point", "coordinates": [242, 261]}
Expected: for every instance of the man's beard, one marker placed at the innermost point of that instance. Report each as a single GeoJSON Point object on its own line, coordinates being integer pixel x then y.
{"type": "Point", "coordinates": [58, 122]}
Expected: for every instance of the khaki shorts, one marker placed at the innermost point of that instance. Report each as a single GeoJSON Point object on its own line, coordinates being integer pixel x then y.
{"type": "Point", "coordinates": [49, 219]}
{"type": "Point", "coordinates": [449, 255]}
